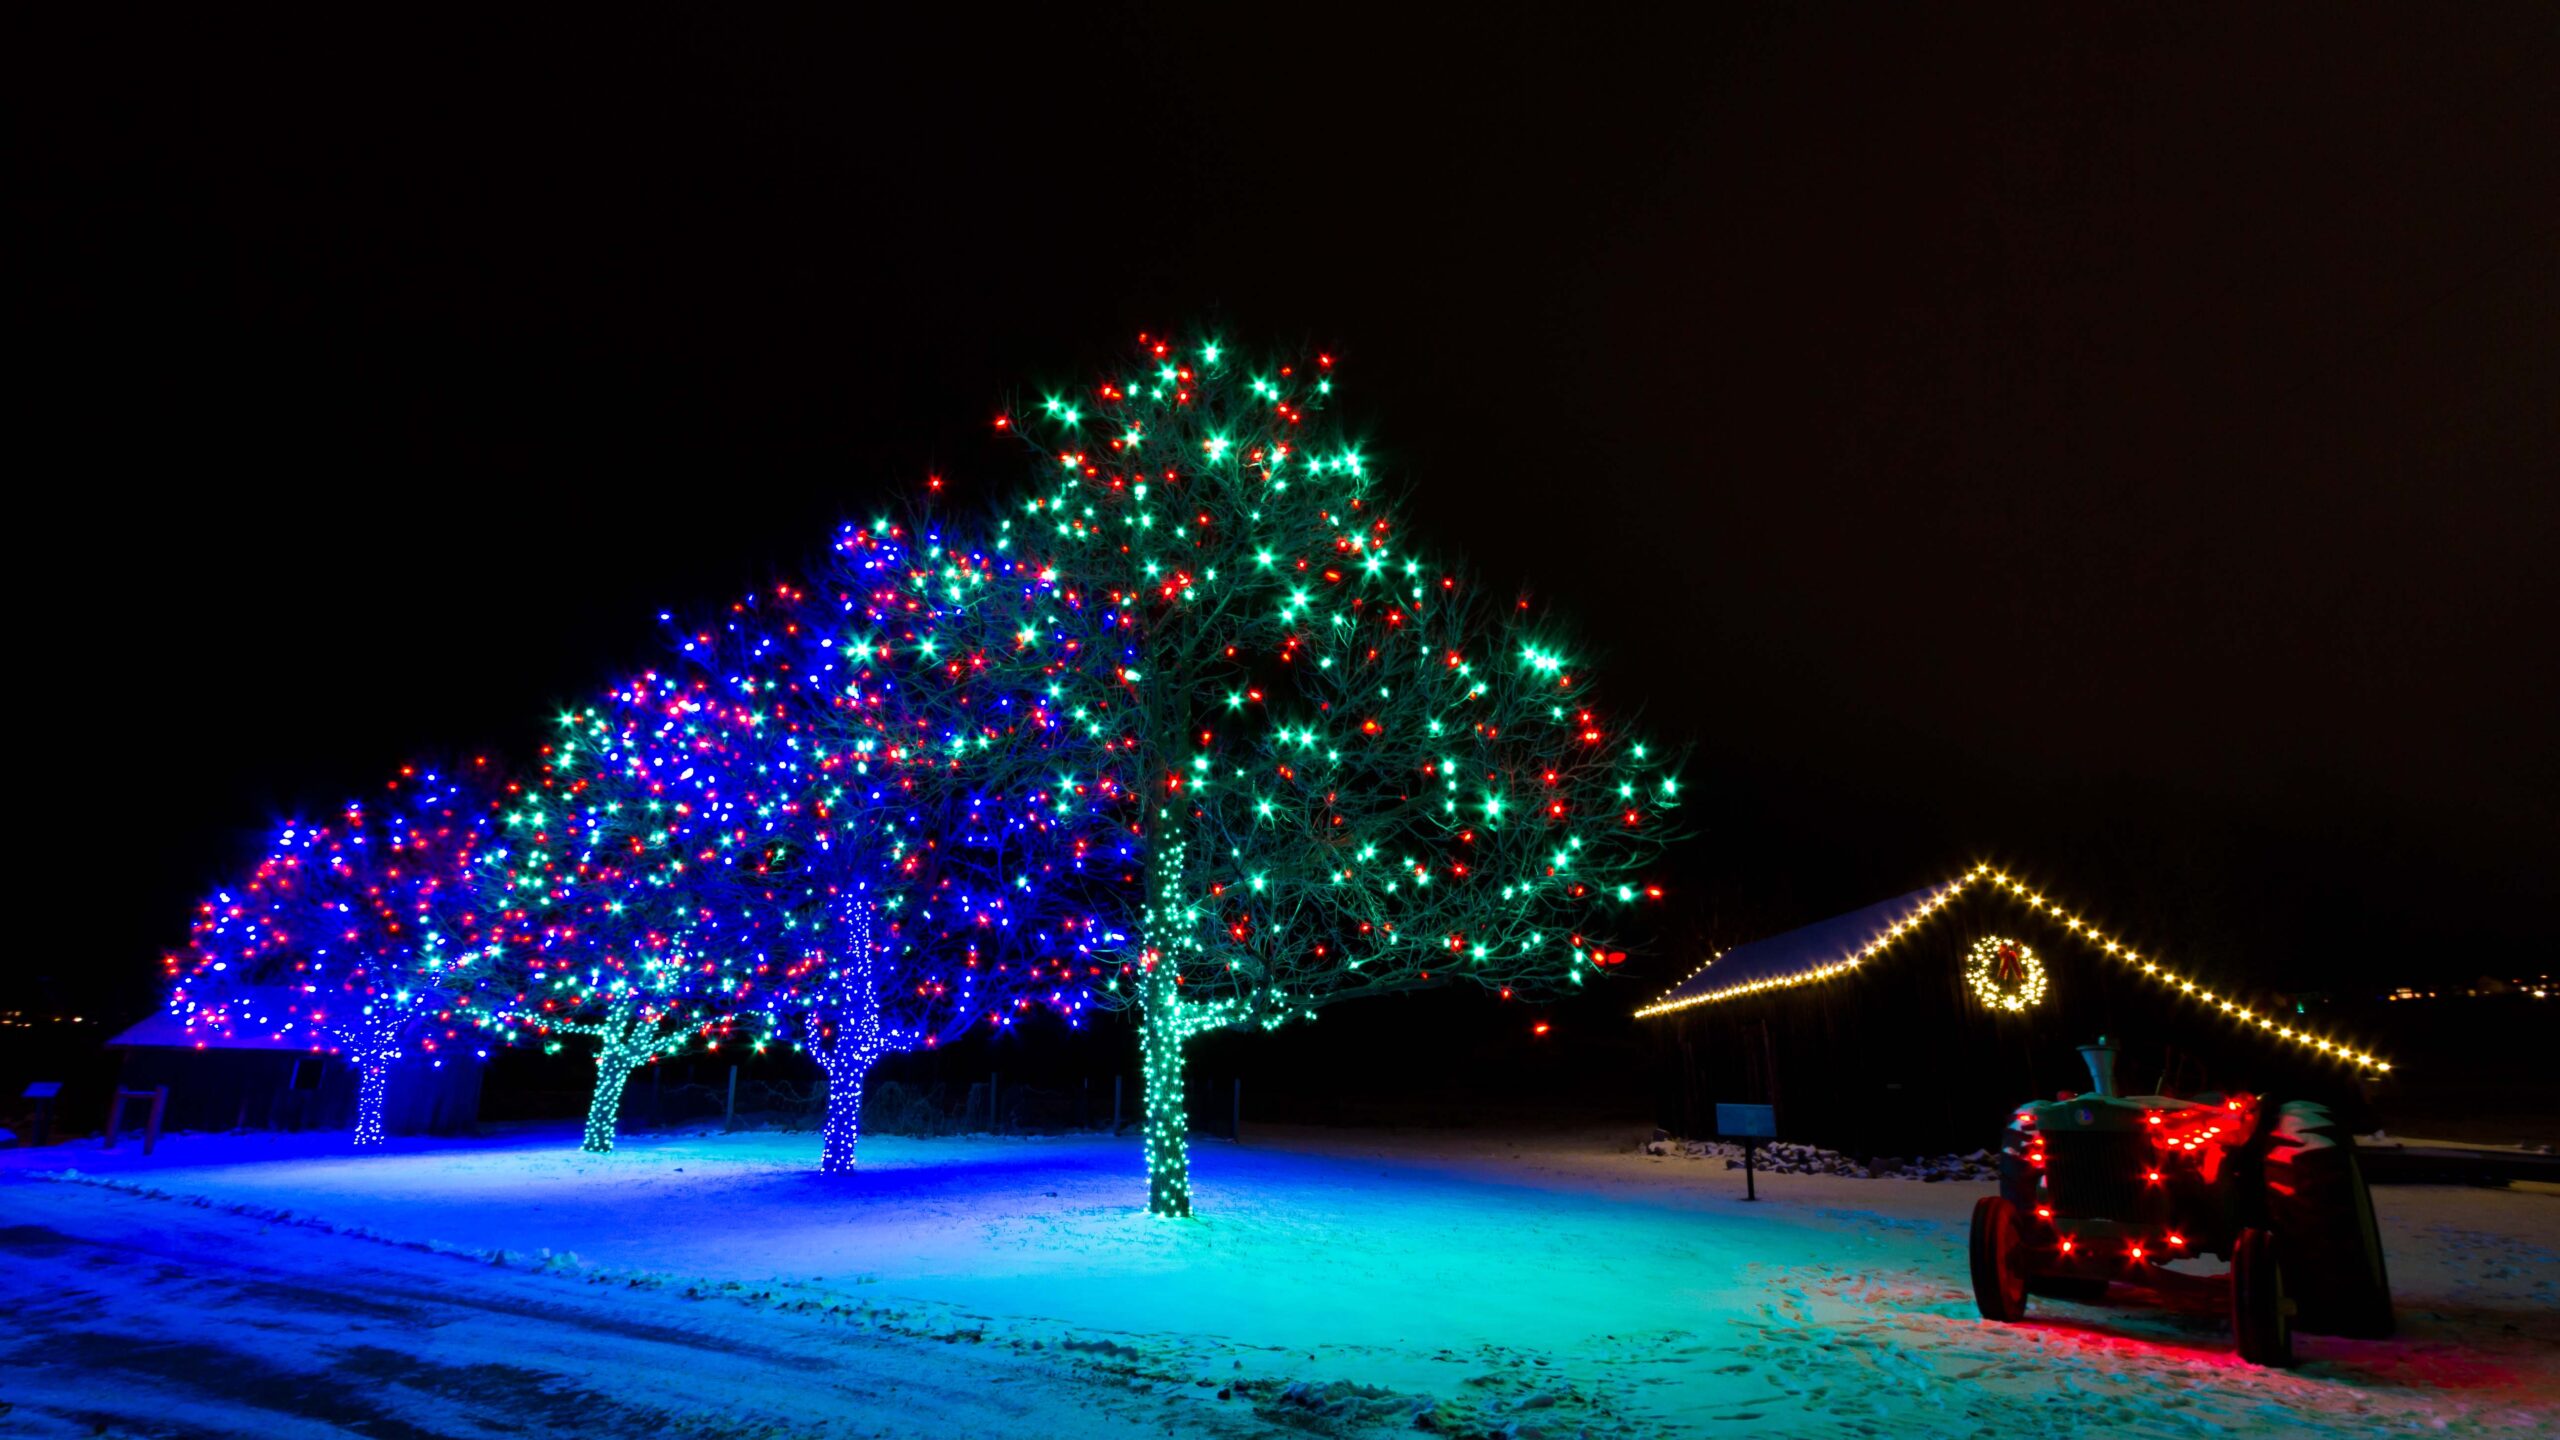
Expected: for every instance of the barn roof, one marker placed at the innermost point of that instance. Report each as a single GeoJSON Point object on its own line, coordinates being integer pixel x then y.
{"type": "Point", "coordinates": [1837, 948]}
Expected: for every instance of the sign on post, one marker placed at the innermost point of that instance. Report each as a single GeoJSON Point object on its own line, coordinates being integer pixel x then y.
{"type": "Point", "coordinates": [42, 1094]}
{"type": "Point", "coordinates": [1749, 1124]}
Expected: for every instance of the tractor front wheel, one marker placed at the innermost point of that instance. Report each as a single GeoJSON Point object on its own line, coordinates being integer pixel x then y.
{"type": "Point", "coordinates": [1999, 1254]}
{"type": "Point", "coordinates": [2261, 1313]}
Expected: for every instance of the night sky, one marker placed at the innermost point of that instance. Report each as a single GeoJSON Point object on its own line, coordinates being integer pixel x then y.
{"type": "Point", "coordinates": [2123, 449]}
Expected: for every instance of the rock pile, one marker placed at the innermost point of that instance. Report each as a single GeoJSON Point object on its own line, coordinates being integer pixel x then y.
{"type": "Point", "coordinates": [1780, 1157]}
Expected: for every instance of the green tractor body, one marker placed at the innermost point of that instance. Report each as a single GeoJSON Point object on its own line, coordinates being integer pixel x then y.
{"type": "Point", "coordinates": [2102, 1188]}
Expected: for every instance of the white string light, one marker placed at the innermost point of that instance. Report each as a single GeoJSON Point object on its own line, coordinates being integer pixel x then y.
{"type": "Point", "coordinates": [2089, 934]}
{"type": "Point", "coordinates": [1982, 972]}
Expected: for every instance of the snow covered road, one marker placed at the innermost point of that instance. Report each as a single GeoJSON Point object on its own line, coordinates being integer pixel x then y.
{"type": "Point", "coordinates": [135, 1316]}
{"type": "Point", "coordinates": [1337, 1283]}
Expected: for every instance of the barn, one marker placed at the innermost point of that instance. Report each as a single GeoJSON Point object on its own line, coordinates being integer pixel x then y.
{"type": "Point", "coordinates": [1912, 1025]}
{"type": "Point", "coordinates": [261, 1082]}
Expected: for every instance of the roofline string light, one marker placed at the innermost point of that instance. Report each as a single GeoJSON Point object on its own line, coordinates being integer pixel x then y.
{"type": "Point", "coordinates": [1847, 962]}
{"type": "Point", "coordinates": [2263, 1023]}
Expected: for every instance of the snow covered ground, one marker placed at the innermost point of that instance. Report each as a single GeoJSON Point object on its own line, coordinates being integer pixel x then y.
{"type": "Point", "coordinates": [1336, 1283]}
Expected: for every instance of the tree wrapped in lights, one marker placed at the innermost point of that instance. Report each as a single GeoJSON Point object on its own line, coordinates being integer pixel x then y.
{"type": "Point", "coordinates": [920, 871]}
{"type": "Point", "coordinates": [1348, 772]}
{"type": "Point", "coordinates": [615, 882]}
{"type": "Point", "coordinates": [346, 935]}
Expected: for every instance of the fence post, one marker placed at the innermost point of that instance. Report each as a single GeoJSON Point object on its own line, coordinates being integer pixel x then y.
{"type": "Point", "coordinates": [159, 1103]}
{"type": "Point", "coordinates": [729, 1116]}
{"type": "Point", "coordinates": [115, 1118]}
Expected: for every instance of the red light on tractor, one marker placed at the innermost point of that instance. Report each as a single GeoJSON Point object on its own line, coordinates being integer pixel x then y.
{"type": "Point", "coordinates": [2151, 1175]}
{"type": "Point", "coordinates": [2044, 1212]}
{"type": "Point", "coordinates": [2066, 1244]}
{"type": "Point", "coordinates": [2136, 1252]}
{"type": "Point", "coordinates": [2177, 1241]}
{"type": "Point", "coordinates": [2154, 1119]}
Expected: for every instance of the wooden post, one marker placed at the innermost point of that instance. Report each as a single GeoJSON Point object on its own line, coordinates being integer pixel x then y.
{"type": "Point", "coordinates": [729, 1116]}
{"type": "Point", "coordinates": [159, 1099]}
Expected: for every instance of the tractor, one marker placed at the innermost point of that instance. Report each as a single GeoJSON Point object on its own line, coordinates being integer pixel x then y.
{"type": "Point", "coordinates": [2104, 1188]}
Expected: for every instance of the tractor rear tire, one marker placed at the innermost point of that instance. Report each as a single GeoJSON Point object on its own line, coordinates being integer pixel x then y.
{"type": "Point", "coordinates": [2317, 1200]}
{"type": "Point", "coordinates": [1998, 1251]}
{"type": "Point", "coordinates": [2261, 1313]}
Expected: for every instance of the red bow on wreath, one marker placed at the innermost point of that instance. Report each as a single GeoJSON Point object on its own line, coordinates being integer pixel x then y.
{"type": "Point", "coordinates": [2010, 971]}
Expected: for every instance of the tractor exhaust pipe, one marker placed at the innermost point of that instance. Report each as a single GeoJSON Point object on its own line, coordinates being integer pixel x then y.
{"type": "Point", "coordinates": [2101, 1059]}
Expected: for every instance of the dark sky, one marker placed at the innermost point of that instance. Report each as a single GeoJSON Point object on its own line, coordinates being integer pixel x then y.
{"type": "Point", "coordinates": [2122, 446]}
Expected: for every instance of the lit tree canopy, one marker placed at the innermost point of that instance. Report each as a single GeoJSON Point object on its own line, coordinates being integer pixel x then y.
{"type": "Point", "coordinates": [915, 885]}
{"type": "Point", "coordinates": [344, 936]}
{"type": "Point", "coordinates": [1348, 772]}
{"type": "Point", "coordinates": [617, 884]}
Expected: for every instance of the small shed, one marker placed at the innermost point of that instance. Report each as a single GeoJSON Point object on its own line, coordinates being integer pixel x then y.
{"type": "Point", "coordinates": [1912, 1025]}
{"type": "Point", "coordinates": [261, 1082]}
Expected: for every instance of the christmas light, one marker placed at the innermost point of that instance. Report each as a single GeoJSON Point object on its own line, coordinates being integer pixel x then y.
{"type": "Point", "coordinates": [2004, 974]}
{"type": "Point", "coordinates": [1344, 771]}
{"type": "Point", "coordinates": [921, 878]}
{"type": "Point", "coordinates": [1984, 876]}
{"type": "Point", "coordinates": [345, 935]}
{"type": "Point", "coordinates": [613, 887]}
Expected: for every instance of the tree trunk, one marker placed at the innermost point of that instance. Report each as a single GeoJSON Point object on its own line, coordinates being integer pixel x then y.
{"type": "Point", "coordinates": [845, 1074]}
{"type": "Point", "coordinates": [373, 1082]}
{"type": "Point", "coordinates": [627, 1042]}
{"type": "Point", "coordinates": [605, 1111]}
{"type": "Point", "coordinates": [1160, 1036]}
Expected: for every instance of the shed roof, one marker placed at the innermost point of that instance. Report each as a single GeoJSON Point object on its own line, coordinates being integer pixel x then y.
{"type": "Point", "coordinates": [1784, 958]}
{"type": "Point", "coordinates": [165, 1029]}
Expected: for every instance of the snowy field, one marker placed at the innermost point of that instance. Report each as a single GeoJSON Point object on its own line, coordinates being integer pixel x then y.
{"type": "Point", "coordinates": [1336, 1283]}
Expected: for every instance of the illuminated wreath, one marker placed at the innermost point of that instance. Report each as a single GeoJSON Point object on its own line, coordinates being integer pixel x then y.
{"type": "Point", "coordinates": [2004, 974]}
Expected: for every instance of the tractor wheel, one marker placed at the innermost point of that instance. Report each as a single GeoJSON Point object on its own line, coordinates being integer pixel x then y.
{"type": "Point", "coordinates": [2084, 1288]}
{"type": "Point", "coordinates": [1999, 1253]}
{"type": "Point", "coordinates": [2316, 1198]}
{"type": "Point", "coordinates": [2261, 1313]}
